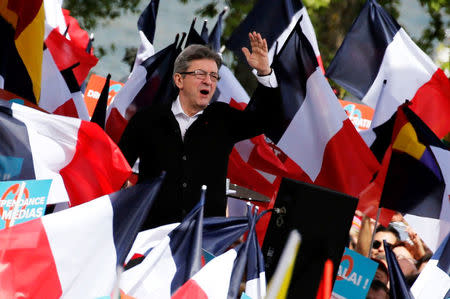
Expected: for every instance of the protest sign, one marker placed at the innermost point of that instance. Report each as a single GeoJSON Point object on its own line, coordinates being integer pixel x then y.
{"type": "Point", "coordinates": [21, 201]}
{"type": "Point", "coordinates": [360, 115]}
{"type": "Point", "coordinates": [9, 167]}
{"type": "Point", "coordinates": [354, 276]}
{"type": "Point", "coordinates": [94, 89]}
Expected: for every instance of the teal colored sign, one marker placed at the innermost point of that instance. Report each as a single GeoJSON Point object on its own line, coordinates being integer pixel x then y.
{"type": "Point", "coordinates": [9, 167]}
{"type": "Point", "coordinates": [245, 296]}
{"type": "Point", "coordinates": [355, 274]}
{"type": "Point", "coordinates": [207, 256]}
{"type": "Point", "coordinates": [21, 201]}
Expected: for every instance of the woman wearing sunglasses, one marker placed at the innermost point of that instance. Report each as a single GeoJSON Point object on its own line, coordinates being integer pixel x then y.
{"type": "Point", "coordinates": [389, 234]}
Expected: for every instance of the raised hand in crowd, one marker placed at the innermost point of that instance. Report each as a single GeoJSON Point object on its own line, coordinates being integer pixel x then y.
{"type": "Point", "coordinates": [417, 249]}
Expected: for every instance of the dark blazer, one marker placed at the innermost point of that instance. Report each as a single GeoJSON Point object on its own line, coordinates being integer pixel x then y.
{"type": "Point", "coordinates": [154, 136]}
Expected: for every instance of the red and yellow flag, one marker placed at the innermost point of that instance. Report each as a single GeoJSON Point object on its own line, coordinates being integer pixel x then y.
{"type": "Point", "coordinates": [23, 21]}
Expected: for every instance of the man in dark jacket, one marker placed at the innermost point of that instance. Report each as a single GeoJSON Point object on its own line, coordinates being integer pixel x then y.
{"type": "Point", "coordinates": [191, 140]}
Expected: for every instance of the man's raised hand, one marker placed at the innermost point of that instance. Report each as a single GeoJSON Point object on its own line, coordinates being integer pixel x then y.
{"type": "Point", "coordinates": [258, 58]}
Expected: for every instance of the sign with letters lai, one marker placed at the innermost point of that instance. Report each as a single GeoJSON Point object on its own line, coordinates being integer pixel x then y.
{"type": "Point", "coordinates": [21, 201]}
{"type": "Point", "coordinates": [354, 276]}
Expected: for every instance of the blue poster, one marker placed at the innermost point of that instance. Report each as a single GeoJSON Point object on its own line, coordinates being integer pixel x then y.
{"type": "Point", "coordinates": [21, 201]}
{"type": "Point", "coordinates": [354, 275]}
{"type": "Point", "coordinates": [10, 167]}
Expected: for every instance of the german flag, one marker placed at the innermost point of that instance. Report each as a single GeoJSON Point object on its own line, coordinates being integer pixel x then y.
{"type": "Point", "coordinates": [22, 33]}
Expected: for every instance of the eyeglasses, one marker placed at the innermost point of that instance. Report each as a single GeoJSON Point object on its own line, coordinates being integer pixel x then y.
{"type": "Point", "coordinates": [377, 244]}
{"type": "Point", "coordinates": [201, 74]}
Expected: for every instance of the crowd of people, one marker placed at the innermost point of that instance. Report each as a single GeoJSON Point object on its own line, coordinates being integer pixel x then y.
{"type": "Point", "coordinates": [366, 238]}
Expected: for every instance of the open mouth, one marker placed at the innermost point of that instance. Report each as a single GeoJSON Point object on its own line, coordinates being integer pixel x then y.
{"type": "Point", "coordinates": [204, 91]}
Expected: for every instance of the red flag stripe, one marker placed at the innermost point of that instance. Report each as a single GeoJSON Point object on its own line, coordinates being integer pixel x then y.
{"type": "Point", "coordinates": [104, 175]}
{"type": "Point", "coordinates": [431, 101]}
{"type": "Point", "coordinates": [115, 125]}
{"type": "Point", "coordinates": [190, 290]}
{"type": "Point", "coordinates": [66, 54]}
{"type": "Point", "coordinates": [342, 169]}
{"type": "Point", "coordinates": [67, 109]}
{"type": "Point", "coordinates": [26, 12]}
{"type": "Point", "coordinates": [19, 276]}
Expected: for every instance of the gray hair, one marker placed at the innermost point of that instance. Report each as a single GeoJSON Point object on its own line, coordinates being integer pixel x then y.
{"type": "Point", "coordinates": [194, 52]}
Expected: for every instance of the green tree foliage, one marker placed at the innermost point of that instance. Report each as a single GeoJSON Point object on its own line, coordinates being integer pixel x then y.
{"type": "Point", "coordinates": [90, 12]}
{"type": "Point", "coordinates": [436, 27]}
{"type": "Point", "coordinates": [331, 20]}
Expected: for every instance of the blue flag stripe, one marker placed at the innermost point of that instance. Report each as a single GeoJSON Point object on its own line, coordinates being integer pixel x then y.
{"type": "Point", "coordinates": [241, 260]}
{"type": "Point", "coordinates": [219, 233]}
{"type": "Point", "coordinates": [204, 33]}
{"type": "Point", "coordinates": [186, 245]}
{"type": "Point", "coordinates": [364, 46]}
{"type": "Point", "coordinates": [293, 65]}
{"type": "Point", "coordinates": [15, 148]}
{"type": "Point", "coordinates": [130, 208]}
{"type": "Point", "coordinates": [398, 287]}
{"type": "Point", "coordinates": [216, 33]}
{"type": "Point", "coordinates": [147, 20]}
{"type": "Point", "coordinates": [193, 37]}
{"type": "Point", "coordinates": [159, 69]}
{"type": "Point", "coordinates": [282, 11]}
{"type": "Point", "coordinates": [444, 259]}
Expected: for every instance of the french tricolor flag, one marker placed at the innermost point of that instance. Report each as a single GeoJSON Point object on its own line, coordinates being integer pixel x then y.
{"type": "Point", "coordinates": [146, 27]}
{"type": "Point", "coordinates": [83, 162]}
{"type": "Point", "coordinates": [60, 91]}
{"type": "Point", "coordinates": [67, 41]}
{"type": "Point", "coordinates": [171, 263]}
{"type": "Point", "coordinates": [74, 253]}
{"type": "Point", "coordinates": [219, 233]}
{"type": "Point", "coordinates": [380, 64]}
{"type": "Point", "coordinates": [255, 286]}
{"type": "Point", "coordinates": [222, 276]}
{"type": "Point", "coordinates": [314, 130]}
{"type": "Point", "coordinates": [66, 63]}
{"type": "Point", "coordinates": [212, 281]}
{"type": "Point", "coordinates": [144, 84]}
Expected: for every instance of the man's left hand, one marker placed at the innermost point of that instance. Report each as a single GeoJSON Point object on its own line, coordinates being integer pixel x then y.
{"type": "Point", "coordinates": [258, 58]}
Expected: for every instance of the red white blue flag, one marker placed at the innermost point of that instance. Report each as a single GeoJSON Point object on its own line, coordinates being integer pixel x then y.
{"type": "Point", "coordinates": [83, 162]}
{"type": "Point", "coordinates": [74, 253]}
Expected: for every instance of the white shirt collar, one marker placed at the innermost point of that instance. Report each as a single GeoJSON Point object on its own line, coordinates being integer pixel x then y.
{"type": "Point", "coordinates": [177, 109]}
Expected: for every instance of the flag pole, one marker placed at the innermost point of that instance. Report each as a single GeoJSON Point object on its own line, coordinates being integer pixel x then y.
{"type": "Point", "coordinates": [374, 230]}
{"type": "Point", "coordinates": [17, 204]}
{"type": "Point", "coordinates": [379, 208]}
{"type": "Point", "coordinates": [116, 289]}
{"type": "Point", "coordinates": [381, 92]}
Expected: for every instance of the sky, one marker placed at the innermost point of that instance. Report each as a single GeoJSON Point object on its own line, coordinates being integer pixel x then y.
{"type": "Point", "coordinates": [175, 17]}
